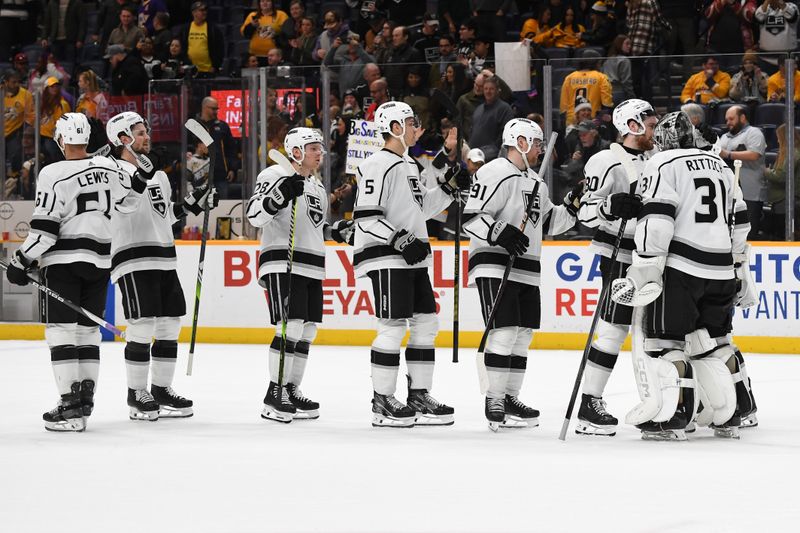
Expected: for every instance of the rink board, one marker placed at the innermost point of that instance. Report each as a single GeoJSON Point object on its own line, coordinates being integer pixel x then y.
{"type": "Point", "coordinates": [234, 307]}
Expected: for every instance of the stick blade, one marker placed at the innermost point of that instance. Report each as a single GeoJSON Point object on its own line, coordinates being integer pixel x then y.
{"type": "Point", "coordinates": [199, 131]}
{"type": "Point", "coordinates": [439, 96]}
{"type": "Point", "coordinates": [625, 160]}
{"type": "Point", "coordinates": [281, 160]}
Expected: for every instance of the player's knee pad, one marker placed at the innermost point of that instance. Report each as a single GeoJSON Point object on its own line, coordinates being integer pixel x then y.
{"type": "Point", "coordinates": [167, 328]}
{"type": "Point", "coordinates": [87, 335]}
{"type": "Point", "coordinates": [309, 332]}
{"type": "Point", "coordinates": [659, 383]}
{"type": "Point", "coordinates": [61, 334]}
{"type": "Point", "coordinates": [390, 334]}
{"type": "Point", "coordinates": [610, 336]}
{"type": "Point", "coordinates": [716, 387]}
{"type": "Point", "coordinates": [141, 330]}
{"type": "Point", "coordinates": [501, 340]}
{"type": "Point", "coordinates": [522, 342]}
{"type": "Point", "coordinates": [423, 329]}
{"type": "Point", "coordinates": [294, 329]}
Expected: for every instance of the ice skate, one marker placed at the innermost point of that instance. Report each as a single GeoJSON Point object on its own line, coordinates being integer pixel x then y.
{"type": "Point", "coordinates": [277, 405]}
{"type": "Point", "coordinates": [171, 405]}
{"type": "Point", "coordinates": [519, 415]}
{"type": "Point", "coordinates": [495, 412]}
{"type": "Point", "coordinates": [594, 419]}
{"type": "Point", "coordinates": [728, 430]}
{"type": "Point", "coordinates": [142, 406]}
{"type": "Point", "coordinates": [68, 414]}
{"type": "Point", "coordinates": [428, 410]}
{"type": "Point", "coordinates": [388, 411]}
{"type": "Point", "coordinates": [673, 429]}
{"type": "Point", "coordinates": [87, 396]}
{"type": "Point", "coordinates": [749, 421]}
{"type": "Point", "coordinates": [305, 408]}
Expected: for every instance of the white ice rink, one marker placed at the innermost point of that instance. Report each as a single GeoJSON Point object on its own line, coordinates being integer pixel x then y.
{"type": "Point", "coordinates": [227, 470]}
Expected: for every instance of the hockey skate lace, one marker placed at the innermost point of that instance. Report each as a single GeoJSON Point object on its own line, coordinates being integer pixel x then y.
{"type": "Point", "coordinates": [430, 400]}
{"type": "Point", "coordinates": [285, 395]}
{"type": "Point", "coordinates": [599, 406]}
{"type": "Point", "coordinates": [172, 394]}
{"type": "Point", "coordinates": [496, 404]}
{"type": "Point", "coordinates": [394, 403]}
{"type": "Point", "coordinates": [144, 396]}
{"type": "Point", "coordinates": [298, 395]}
{"type": "Point", "coordinates": [517, 403]}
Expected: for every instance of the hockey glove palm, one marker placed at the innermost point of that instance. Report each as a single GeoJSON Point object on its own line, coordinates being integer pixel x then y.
{"type": "Point", "coordinates": [196, 201]}
{"type": "Point", "coordinates": [413, 250]}
{"type": "Point", "coordinates": [621, 205]}
{"type": "Point", "coordinates": [343, 231]}
{"type": "Point", "coordinates": [572, 201]}
{"type": "Point", "coordinates": [18, 268]}
{"type": "Point", "coordinates": [509, 237]}
{"type": "Point", "coordinates": [281, 195]}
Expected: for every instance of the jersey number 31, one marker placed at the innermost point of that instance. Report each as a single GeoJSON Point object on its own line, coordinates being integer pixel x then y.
{"type": "Point", "coordinates": [710, 200]}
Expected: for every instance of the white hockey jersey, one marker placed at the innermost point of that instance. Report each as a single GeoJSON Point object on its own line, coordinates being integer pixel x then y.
{"type": "Point", "coordinates": [500, 191]}
{"type": "Point", "coordinates": [606, 176]}
{"type": "Point", "coordinates": [391, 197]}
{"type": "Point", "coordinates": [688, 195]}
{"type": "Point", "coordinates": [143, 239]}
{"type": "Point", "coordinates": [309, 231]}
{"type": "Point", "coordinates": [73, 209]}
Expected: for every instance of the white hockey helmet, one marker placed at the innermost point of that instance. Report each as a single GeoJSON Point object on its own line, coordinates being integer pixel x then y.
{"type": "Point", "coordinates": [674, 130]}
{"type": "Point", "coordinates": [300, 138]}
{"type": "Point", "coordinates": [72, 128]}
{"type": "Point", "coordinates": [123, 124]}
{"type": "Point", "coordinates": [522, 127]}
{"type": "Point", "coordinates": [393, 112]}
{"type": "Point", "coordinates": [635, 110]}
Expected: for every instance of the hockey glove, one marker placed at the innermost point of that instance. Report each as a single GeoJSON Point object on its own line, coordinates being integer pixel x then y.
{"type": "Point", "coordinates": [281, 195]}
{"type": "Point", "coordinates": [148, 166]}
{"type": "Point", "coordinates": [413, 250]}
{"type": "Point", "coordinates": [455, 179]}
{"type": "Point", "coordinates": [642, 283]}
{"type": "Point", "coordinates": [509, 237]}
{"type": "Point", "coordinates": [196, 201]}
{"type": "Point", "coordinates": [745, 288]}
{"type": "Point", "coordinates": [620, 205]}
{"type": "Point", "coordinates": [343, 231]}
{"type": "Point", "coordinates": [572, 201]}
{"type": "Point", "coordinates": [18, 268]}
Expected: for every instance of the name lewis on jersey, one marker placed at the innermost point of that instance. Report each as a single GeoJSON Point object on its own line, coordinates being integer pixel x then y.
{"type": "Point", "coordinates": [416, 192]}
{"type": "Point", "coordinates": [157, 200]}
{"type": "Point", "coordinates": [314, 209]}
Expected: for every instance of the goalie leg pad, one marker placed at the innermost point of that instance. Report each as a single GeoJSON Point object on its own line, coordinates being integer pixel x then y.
{"type": "Point", "coordinates": [717, 390]}
{"type": "Point", "coordinates": [659, 386]}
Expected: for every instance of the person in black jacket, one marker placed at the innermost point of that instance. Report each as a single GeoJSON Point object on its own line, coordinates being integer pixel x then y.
{"type": "Point", "coordinates": [603, 28]}
{"type": "Point", "coordinates": [210, 51]}
{"type": "Point", "coordinates": [227, 161]}
{"type": "Point", "coordinates": [64, 48]}
{"type": "Point", "coordinates": [401, 58]}
{"type": "Point", "coordinates": [128, 76]}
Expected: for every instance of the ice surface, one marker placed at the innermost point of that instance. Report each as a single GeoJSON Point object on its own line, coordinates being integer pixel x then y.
{"type": "Point", "coordinates": [227, 470]}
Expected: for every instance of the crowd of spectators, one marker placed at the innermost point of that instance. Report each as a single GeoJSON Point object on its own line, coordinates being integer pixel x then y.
{"type": "Point", "coordinates": [78, 54]}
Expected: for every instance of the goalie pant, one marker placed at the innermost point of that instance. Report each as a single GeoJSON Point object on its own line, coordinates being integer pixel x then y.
{"type": "Point", "coordinates": [391, 197]}
{"type": "Point", "coordinates": [502, 192]}
{"type": "Point", "coordinates": [70, 236]}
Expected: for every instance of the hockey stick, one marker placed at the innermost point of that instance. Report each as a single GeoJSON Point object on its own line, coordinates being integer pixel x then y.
{"type": "Point", "coordinates": [205, 137]}
{"type": "Point", "coordinates": [627, 165]}
{"type": "Point", "coordinates": [75, 307]}
{"type": "Point", "coordinates": [286, 165]}
{"type": "Point", "coordinates": [737, 170]}
{"type": "Point", "coordinates": [548, 156]}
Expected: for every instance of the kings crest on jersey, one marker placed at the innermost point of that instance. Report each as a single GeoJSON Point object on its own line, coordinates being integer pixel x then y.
{"type": "Point", "coordinates": [309, 248]}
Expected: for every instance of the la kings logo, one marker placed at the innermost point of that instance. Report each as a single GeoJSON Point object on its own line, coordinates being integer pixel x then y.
{"type": "Point", "coordinates": [157, 200]}
{"type": "Point", "coordinates": [416, 192]}
{"type": "Point", "coordinates": [527, 197]}
{"type": "Point", "coordinates": [775, 24]}
{"type": "Point", "coordinates": [314, 209]}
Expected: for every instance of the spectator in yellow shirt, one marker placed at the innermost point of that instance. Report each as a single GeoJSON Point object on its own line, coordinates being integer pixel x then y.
{"type": "Point", "coordinates": [776, 84]}
{"type": "Point", "coordinates": [263, 27]}
{"type": "Point", "coordinates": [18, 110]}
{"type": "Point", "coordinates": [588, 83]}
{"type": "Point", "coordinates": [204, 42]}
{"type": "Point", "coordinates": [52, 107]}
{"type": "Point", "coordinates": [564, 34]}
{"type": "Point", "coordinates": [92, 102]}
{"type": "Point", "coordinates": [534, 26]}
{"type": "Point", "coordinates": [709, 85]}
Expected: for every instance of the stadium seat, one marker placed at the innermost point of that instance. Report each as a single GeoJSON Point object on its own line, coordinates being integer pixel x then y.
{"type": "Point", "coordinates": [559, 74]}
{"type": "Point", "coordinates": [771, 136]}
{"type": "Point", "coordinates": [717, 113]}
{"type": "Point", "coordinates": [33, 51]}
{"type": "Point", "coordinates": [556, 53]}
{"type": "Point", "coordinates": [599, 49]}
{"type": "Point", "coordinates": [769, 114]}
{"type": "Point", "coordinates": [769, 158]}
{"type": "Point", "coordinates": [238, 48]}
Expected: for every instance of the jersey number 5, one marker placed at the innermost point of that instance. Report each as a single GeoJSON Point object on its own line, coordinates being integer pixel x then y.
{"type": "Point", "coordinates": [90, 201]}
{"type": "Point", "coordinates": [709, 200]}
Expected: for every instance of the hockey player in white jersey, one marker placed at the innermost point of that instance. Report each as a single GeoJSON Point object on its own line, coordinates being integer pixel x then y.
{"type": "Point", "coordinates": [70, 238]}
{"type": "Point", "coordinates": [609, 202]}
{"type": "Point", "coordinates": [144, 267]}
{"type": "Point", "coordinates": [270, 208]}
{"type": "Point", "coordinates": [692, 222]}
{"type": "Point", "coordinates": [392, 249]}
{"type": "Point", "coordinates": [498, 200]}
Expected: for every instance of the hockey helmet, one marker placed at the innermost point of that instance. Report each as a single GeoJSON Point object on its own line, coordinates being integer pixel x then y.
{"type": "Point", "coordinates": [123, 124]}
{"type": "Point", "coordinates": [393, 112]}
{"type": "Point", "coordinates": [300, 138]}
{"type": "Point", "coordinates": [522, 127]}
{"type": "Point", "coordinates": [674, 130]}
{"type": "Point", "coordinates": [635, 110]}
{"type": "Point", "coordinates": [72, 128]}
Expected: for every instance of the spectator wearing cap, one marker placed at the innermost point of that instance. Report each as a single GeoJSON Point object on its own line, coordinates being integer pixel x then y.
{"type": "Point", "coordinates": [602, 31]}
{"type": "Point", "coordinates": [427, 40]}
{"type": "Point", "coordinates": [480, 58]}
{"type": "Point", "coordinates": [18, 111]}
{"type": "Point", "coordinates": [489, 119]}
{"type": "Point", "coordinates": [749, 85]}
{"type": "Point", "coordinates": [709, 85]}
{"type": "Point", "coordinates": [731, 25]}
{"type": "Point", "coordinates": [618, 68]}
{"type": "Point", "coordinates": [565, 34]}
{"type": "Point", "coordinates": [128, 76]}
{"type": "Point", "coordinates": [589, 143]}
{"type": "Point", "coordinates": [401, 58]}
{"type": "Point", "coordinates": [51, 108]}
{"type": "Point", "coordinates": [204, 42]}
{"type": "Point", "coordinates": [64, 29]}
{"type": "Point", "coordinates": [475, 160]}
{"type": "Point", "coordinates": [146, 14]}
{"type": "Point", "coordinates": [128, 34]}
{"type": "Point", "coordinates": [349, 65]}
{"type": "Point", "coordinates": [21, 65]}
{"type": "Point", "coordinates": [491, 16]}
{"type": "Point", "coordinates": [776, 84]}
{"type": "Point", "coordinates": [350, 105]}
{"type": "Point", "coordinates": [589, 83]}
{"type": "Point", "coordinates": [263, 27]}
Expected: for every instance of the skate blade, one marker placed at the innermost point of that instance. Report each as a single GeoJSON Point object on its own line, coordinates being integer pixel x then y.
{"type": "Point", "coordinates": [515, 422]}
{"type": "Point", "coordinates": [380, 421]}
{"type": "Point", "coordinates": [146, 416]}
{"type": "Point", "coordinates": [494, 426]}
{"type": "Point", "coordinates": [276, 416]}
{"type": "Point", "coordinates": [311, 414]}
{"type": "Point", "coordinates": [587, 428]}
{"type": "Point", "coordinates": [167, 411]}
{"type": "Point", "coordinates": [727, 433]}
{"type": "Point", "coordinates": [678, 435]}
{"type": "Point", "coordinates": [749, 421]}
{"type": "Point", "coordinates": [433, 420]}
{"type": "Point", "coordinates": [71, 425]}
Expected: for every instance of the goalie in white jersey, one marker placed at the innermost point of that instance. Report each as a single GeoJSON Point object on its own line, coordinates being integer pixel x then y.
{"type": "Point", "coordinates": [497, 205]}
{"type": "Point", "coordinates": [144, 267]}
{"type": "Point", "coordinates": [692, 223]}
{"type": "Point", "coordinates": [608, 203]}
{"type": "Point", "coordinates": [391, 248]}
{"type": "Point", "coordinates": [70, 237]}
{"type": "Point", "coordinates": [297, 301]}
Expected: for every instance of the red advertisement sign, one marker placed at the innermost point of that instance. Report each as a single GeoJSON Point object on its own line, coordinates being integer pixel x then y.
{"type": "Point", "coordinates": [164, 110]}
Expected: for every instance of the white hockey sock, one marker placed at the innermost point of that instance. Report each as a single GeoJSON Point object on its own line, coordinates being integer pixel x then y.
{"type": "Point", "coordinates": [66, 368]}
{"type": "Point", "coordinates": [384, 370]}
{"type": "Point", "coordinates": [420, 361]}
{"type": "Point", "coordinates": [519, 361]}
{"type": "Point", "coordinates": [595, 379]}
{"type": "Point", "coordinates": [164, 356]}
{"type": "Point", "coordinates": [275, 359]}
{"type": "Point", "coordinates": [497, 372]}
{"type": "Point", "coordinates": [299, 363]}
{"type": "Point", "coordinates": [603, 356]}
{"type": "Point", "coordinates": [89, 362]}
{"type": "Point", "coordinates": [137, 364]}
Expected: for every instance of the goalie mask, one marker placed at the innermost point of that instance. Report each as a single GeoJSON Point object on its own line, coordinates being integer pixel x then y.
{"type": "Point", "coordinates": [635, 110]}
{"type": "Point", "coordinates": [674, 130]}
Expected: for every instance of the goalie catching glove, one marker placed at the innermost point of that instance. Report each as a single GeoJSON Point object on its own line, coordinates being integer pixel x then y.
{"type": "Point", "coordinates": [195, 201]}
{"type": "Point", "coordinates": [412, 249]}
{"type": "Point", "coordinates": [18, 268]}
{"type": "Point", "coordinates": [281, 195]}
{"type": "Point", "coordinates": [642, 283]}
